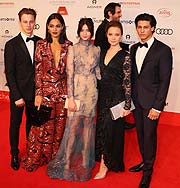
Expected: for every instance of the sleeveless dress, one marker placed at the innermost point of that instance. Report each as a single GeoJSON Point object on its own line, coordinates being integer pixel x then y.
{"type": "Point", "coordinates": [76, 156]}
{"type": "Point", "coordinates": [114, 87]}
{"type": "Point", "coordinates": [51, 83]}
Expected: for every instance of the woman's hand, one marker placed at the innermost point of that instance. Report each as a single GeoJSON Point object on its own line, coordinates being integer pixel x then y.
{"type": "Point", "coordinates": [38, 101]}
{"type": "Point", "coordinates": [125, 113]}
{"type": "Point", "coordinates": [72, 105]}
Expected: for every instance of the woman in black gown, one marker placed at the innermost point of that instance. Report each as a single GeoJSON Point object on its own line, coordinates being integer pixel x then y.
{"type": "Point", "coordinates": [114, 87]}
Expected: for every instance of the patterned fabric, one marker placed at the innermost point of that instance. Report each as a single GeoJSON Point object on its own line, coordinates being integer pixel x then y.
{"type": "Point", "coordinates": [51, 83]}
{"type": "Point", "coordinates": [76, 157]}
{"type": "Point", "coordinates": [114, 87]}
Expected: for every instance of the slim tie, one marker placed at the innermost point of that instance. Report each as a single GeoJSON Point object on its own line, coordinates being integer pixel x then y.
{"type": "Point", "coordinates": [143, 44]}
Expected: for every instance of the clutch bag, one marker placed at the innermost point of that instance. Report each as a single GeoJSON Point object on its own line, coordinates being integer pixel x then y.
{"type": "Point", "coordinates": [41, 116]}
{"type": "Point", "coordinates": [76, 101]}
{"type": "Point", "coordinates": [116, 111]}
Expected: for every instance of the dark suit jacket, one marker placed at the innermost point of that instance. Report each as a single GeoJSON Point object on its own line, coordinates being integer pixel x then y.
{"type": "Point", "coordinates": [101, 39]}
{"type": "Point", "coordinates": [150, 86]}
{"type": "Point", "coordinates": [19, 69]}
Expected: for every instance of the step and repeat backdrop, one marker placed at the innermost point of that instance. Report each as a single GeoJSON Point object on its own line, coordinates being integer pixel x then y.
{"type": "Point", "coordinates": [166, 12]}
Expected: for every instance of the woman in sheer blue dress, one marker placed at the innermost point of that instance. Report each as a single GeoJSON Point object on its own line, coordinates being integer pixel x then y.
{"type": "Point", "coordinates": [76, 156]}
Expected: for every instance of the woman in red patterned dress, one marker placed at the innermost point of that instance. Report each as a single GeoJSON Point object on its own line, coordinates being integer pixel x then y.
{"type": "Point", "coordinates": [51, 90]}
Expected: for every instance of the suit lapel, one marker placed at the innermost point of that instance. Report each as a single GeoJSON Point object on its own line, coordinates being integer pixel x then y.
{"type": "Point", "coordinates": [24, 48]}
{"type": "Point", "coordinates": [149, 55]}
{"type": "Point", "coordinates": [133, 55]}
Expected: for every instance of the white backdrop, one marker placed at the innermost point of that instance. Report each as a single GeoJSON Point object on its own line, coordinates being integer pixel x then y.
{"type": "Point", "coordinates": [166, 12]}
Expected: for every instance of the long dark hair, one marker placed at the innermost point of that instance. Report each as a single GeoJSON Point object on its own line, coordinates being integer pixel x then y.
{"type": "Point", "coordinates": [63, 35]}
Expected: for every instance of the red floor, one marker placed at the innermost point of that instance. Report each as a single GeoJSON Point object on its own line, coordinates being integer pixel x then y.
{"type": "Point", "coordinates": [166, 171]}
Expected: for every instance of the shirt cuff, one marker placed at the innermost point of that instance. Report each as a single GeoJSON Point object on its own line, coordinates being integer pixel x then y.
{"type": "Point", "coordinates": [156, 110]}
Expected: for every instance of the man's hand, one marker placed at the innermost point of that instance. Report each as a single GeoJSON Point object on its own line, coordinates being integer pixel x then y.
{"type": "Point", "coordinates": [20, 102]}
{"type": "Point", "coordinates": [153, 114]}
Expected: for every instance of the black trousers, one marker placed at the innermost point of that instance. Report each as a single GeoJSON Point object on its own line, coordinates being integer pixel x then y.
{"type": "Point", "coordinates": [16, 114]}
{"type": "Point", "coordinates": [147, 138]}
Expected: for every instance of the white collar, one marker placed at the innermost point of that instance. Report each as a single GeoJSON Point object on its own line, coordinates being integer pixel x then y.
{"type": "Point", "coordinates": [25, 36]}
{"type": "Point", "coordinates": [150, 41]}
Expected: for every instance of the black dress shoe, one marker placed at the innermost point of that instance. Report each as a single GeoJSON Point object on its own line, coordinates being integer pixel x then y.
{"type": "Point", "coordinates": [137, 168]}
{"type": "Point", "coordinates": [145, 182]}
{"type": "Point", "coordinates": [129, 125]}
{"type": "Point", "coordinates": [15, 162]}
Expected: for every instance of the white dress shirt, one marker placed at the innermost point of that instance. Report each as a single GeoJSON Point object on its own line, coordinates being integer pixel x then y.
{"type": "Point", "coordinates": [141, 53]}
{"type": "Point", "coordinates": [30, 45]}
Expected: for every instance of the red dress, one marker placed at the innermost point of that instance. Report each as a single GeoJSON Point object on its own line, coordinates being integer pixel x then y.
{"type": "Point", "coordinates": [51, 83]}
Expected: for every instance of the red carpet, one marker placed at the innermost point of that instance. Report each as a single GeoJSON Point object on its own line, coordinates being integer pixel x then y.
{"type": "Point", "coordinates": [166, 171]}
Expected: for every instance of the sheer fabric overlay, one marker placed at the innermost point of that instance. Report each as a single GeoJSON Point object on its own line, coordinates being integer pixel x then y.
{"type": "Point", "coordinates": [76, 156]}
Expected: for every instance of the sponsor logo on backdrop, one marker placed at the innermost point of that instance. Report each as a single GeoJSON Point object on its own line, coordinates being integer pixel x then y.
{"type": "Point", "coordinates": [62, 11]}
{"type": "Point", "coordinates": [130, 4]}
{"type": "Point", "coordinates": [164, 12]}
{"type": "Point", "coordinates": [7, 19]}
{"type": "Point", "coordinates": [62, 2]}
{"type": "Point", "coordinates": [127, 21]}
{"type": "Point", "coordinates": [96, 20]}
{"type": "Point", "coordinates": [164, 31]}
{"type": "Point", "coordinates": [94, 5]}
{"type": "Point", "coordinates": [37, 26]}
{"type": "Point", "coordinates": [94, 2]}
{"type": "Point", "coordinates": [128, 39]}
{"type": "Point", "coordinates": [6, 34]}
{"type": "Point", "coordinates": [6, 4]}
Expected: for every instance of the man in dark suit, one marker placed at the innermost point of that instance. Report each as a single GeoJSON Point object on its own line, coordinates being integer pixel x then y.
{"type": "Point", "coordinates": [19, 70]}
{"type": "Point", "coordinates": [151, 73]}
{"type": "Point", "coordinates": [112, 12]}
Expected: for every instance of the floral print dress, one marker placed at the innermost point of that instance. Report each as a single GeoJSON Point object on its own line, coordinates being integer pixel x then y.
{"type": "Point", "coordinates": [76, 157]}
{"type": "Point", "coordinates": [51, 83]}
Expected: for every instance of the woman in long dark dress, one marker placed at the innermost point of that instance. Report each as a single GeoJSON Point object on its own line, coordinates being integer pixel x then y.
{"type": "Point", "coordinates": [51, 90]}
{"type": "Point", "coordinates": [114, 87]}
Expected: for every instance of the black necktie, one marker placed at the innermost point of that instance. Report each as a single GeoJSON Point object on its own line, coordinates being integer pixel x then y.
{"type": "Point", "coordinates": [143, 44]}
{"type": "Point", "coordinates": [30, 38]}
